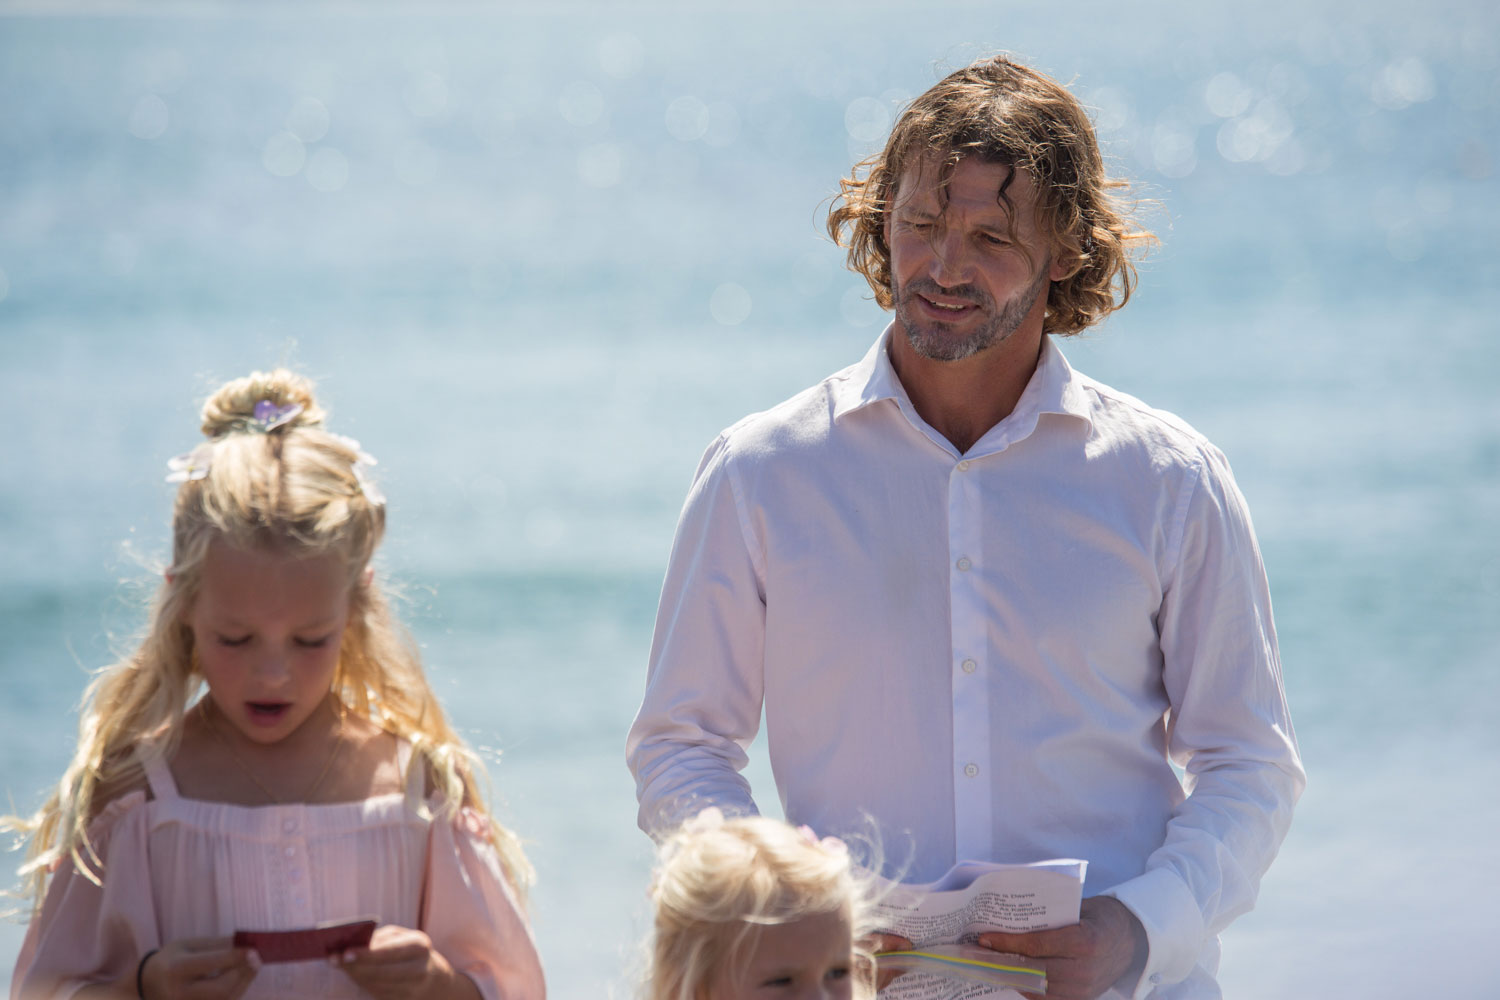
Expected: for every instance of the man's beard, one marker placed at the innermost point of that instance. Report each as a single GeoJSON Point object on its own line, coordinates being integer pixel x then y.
{"type": "Point", "coordinates": [933, 343]}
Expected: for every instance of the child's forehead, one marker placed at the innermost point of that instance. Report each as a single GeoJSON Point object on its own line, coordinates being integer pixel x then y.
{"type": "Point", "coordinates": [247, 580]}
{"type": "Point", "coordinates": [809, 940]}
{"type": "Point", "coordinates": [224, 558]}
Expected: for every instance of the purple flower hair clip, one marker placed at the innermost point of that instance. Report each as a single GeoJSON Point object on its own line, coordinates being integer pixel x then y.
{"type": "Point", "coordinates": [265, 418]}
{"type": "Point", "coordinates": [268, 416]}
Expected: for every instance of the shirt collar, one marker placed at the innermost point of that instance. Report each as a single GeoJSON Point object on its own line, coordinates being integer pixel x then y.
{"type": "Point", "coordinates": [1054, 387]}
{"type": "Point", "coordinates": [869, 381]}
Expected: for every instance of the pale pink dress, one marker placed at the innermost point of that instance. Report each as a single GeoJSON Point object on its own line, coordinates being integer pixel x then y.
{"type": "Point", "coordinates": [180, 868]}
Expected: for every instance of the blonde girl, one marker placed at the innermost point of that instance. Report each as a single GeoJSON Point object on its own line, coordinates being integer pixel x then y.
{"type": "Point", "coordinates": [271, 758]}
{"type": "Point", "coordinates": [752, 909]}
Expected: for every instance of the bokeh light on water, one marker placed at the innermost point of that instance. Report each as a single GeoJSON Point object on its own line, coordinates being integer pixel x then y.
{"type": "Point", "coordinates": [538, 257]}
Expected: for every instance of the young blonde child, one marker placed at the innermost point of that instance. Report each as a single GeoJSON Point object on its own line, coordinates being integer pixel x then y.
{"type": "Point", "coordinates": [752, 909]}
{"type": "Point", "coordinates": [314, 780]}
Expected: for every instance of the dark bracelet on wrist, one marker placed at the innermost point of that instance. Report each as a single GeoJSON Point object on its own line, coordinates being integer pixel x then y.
{"type": "Point", "coordinates": [140, 973]}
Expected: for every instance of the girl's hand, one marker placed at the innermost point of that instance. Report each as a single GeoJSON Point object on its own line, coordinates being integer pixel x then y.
{"type": "Point", "coordinates": [199, 969]}
{"type": "Point", "coordinates": [402, 964]}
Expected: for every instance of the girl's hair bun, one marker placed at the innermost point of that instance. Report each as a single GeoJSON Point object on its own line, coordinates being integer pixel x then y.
{"type": "Point", "coordinates": [233, 406]}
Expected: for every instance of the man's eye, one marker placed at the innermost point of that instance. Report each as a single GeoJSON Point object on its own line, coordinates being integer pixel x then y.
{"type": "Point", "coordinates": [317, 643]}
{"type": "Point", "coordinates": [233, 640]}
{"type": "Point", "coordinates": [996, 241]}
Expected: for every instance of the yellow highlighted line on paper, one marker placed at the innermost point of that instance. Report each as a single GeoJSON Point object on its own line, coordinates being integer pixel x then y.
{"type": "Point", "coordinates": [963, 961]}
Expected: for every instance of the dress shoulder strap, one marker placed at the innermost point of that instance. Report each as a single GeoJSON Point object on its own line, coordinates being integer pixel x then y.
{"type": "Point", "coordinates": [158, 775]}
{"type": "Point", "coordinates": [414, 768]}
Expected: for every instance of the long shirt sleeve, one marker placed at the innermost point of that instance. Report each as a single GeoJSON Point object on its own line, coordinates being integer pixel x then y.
{"type": "Point", "coordinates": [1229, 729]}
{"type": "Point", "coordinates": [704, 683]}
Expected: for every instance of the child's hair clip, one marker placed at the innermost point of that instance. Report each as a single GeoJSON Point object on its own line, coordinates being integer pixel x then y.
{"type": "Point", "coordinates": [362, 462]}
{"type": "Point", "coordinates": [267, 416]}
{"type": "Point", "coordinates": [707, 819]}
{"type": "Point", "coordinates": [193, 465]}
{"type": "Point", "coordinates": [828, 845]}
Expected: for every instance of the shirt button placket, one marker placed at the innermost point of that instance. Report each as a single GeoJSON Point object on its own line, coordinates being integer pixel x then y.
{"type": "Point", "coordinates": [296, 872]}
{"type": "Point", "coordinates": [973, 799]}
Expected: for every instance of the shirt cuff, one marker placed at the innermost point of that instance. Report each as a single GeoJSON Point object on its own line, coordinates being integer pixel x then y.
{"type": "Point", "coordinates": [1174, 928]}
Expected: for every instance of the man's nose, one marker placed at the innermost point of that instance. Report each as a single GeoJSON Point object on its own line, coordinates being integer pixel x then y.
{"type": "Point", "coordinates": [950, 259]}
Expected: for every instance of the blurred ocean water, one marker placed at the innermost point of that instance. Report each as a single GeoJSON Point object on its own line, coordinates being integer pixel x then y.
{"type": "Point", "coordinates": [539, 255]}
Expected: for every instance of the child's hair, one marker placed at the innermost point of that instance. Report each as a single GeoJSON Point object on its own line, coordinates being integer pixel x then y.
{"type": "Point", "coordinates": [269, 476]}
{"type": "Point", "coordinates": [718, 882]}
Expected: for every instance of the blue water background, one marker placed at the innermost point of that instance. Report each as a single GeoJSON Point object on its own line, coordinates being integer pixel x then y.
{"type": "Point", "coordinates": [539, 255]}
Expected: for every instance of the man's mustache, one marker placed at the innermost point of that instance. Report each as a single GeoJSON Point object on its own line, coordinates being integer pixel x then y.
{"type": "Point", "coordinates": [926, 286]}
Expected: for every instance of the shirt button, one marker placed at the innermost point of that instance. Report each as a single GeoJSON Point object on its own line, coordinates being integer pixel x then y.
{"type": "Point", "coordinates": [288, 825]}
{"type": "Point", "coordinates": [295, 873]}
{"type": "Point", "coordinates": [970, 666]}
{"type": "Point", "coordinates": [1156, 977]}
{"type": "Point", "coordinates": [964, 564]}
{"type": "Point", "coordinates": [964, 465]}
{"type": "Point", "coordinates": [971, 769]}
{"type": "Point", "coordinates": [291, 852]}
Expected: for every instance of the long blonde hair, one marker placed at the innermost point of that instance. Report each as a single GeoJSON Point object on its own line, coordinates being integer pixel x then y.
{"type": "Point", "coordinates": [295, 486]}
{"type": "Point", "coordinates": [718, 882]}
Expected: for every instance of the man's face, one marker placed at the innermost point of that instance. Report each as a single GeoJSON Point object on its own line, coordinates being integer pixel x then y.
{"type": "Point", "coordinates": [959, 278]}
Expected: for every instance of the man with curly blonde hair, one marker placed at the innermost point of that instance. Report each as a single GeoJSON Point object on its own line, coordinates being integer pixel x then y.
{"type": "Point", "coordinates": [982, 599]}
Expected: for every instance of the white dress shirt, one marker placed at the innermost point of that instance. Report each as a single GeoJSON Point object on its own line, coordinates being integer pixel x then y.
{"type": "Point", "coordinates": [995, 655]}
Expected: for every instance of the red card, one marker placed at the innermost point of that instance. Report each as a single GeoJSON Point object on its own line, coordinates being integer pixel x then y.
{"type": "Point", "coordinates": [308, 943]}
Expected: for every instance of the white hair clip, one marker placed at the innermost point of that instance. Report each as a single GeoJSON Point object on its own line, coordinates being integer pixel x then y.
{"type": "Point", "coordinates": [362, 463]}
{"type": "Point", "coordinates": [828, 845]}
{"type": "Point", "coordinates": [193, 465]}
{"type": "Point", "coordinates": [708, 819]}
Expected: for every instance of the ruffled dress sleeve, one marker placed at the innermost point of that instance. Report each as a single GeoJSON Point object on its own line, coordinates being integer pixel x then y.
{"type": "Point", "coordinates": [86, 933]}
{"type": "Point", "coordinates": [472, 915]}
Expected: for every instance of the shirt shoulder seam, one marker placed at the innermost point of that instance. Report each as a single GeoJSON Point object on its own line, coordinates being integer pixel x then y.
{"type": "Point", "coordinates": [741, 512]}
{"type": "Point", "coordinates": [1195, 468]}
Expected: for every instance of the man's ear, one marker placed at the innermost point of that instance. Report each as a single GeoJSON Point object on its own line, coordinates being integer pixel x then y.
{"type": "Point", "coordinates": [1067, 260]}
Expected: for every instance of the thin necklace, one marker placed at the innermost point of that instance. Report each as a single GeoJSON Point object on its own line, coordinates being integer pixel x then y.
{"type": "Point", "coordinates": [307, 794]}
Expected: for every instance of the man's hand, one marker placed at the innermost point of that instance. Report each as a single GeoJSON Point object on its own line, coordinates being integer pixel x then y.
{"type": "Point", "coordinates": [1083, 960]}
{"type": "Point", "coordinates": [885, 942]}
{"type": "Point", "coordinates": [401, 964]}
